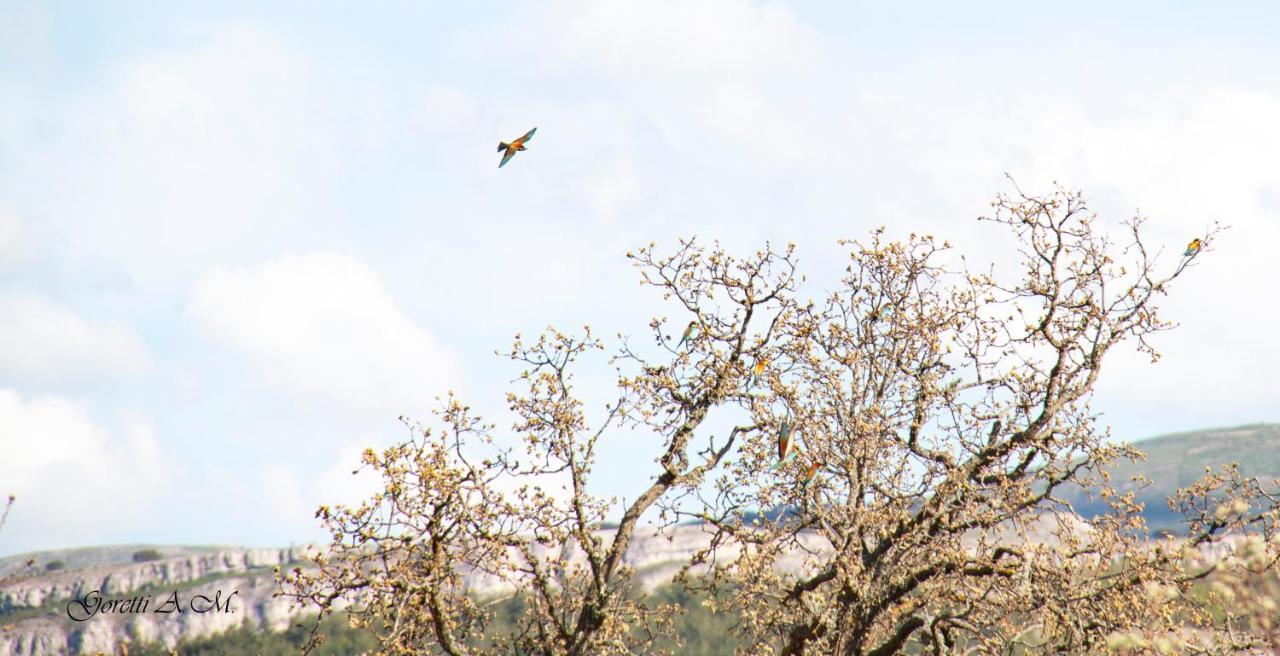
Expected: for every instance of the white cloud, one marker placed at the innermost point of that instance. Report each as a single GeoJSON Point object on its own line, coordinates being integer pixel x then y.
{"type": "Point", "coordinates": [12, 237]}
{"type": "Point", "coordinates": [324, 326]}
{"type": "Point", "coordinates": [612, 188]}
{"type": "Point", "coordinates": [24, 34]}
{"type": "Point", "coordinates": [179, 157]}
{"type": "Point", "coordinates": [443, 110]}
{"type": "Point", "coordinates": [52, 343]}
{"type": "Point", "coordinates": [292, 493]}
{"type": "Point", "coordinates": [75, 481]}
{"type": "Point", "coordinates": [672, 38]}
{"type": "Point", "coordinates": [764, 127]}
{"type": "Point", "coordinates": [281, 490]}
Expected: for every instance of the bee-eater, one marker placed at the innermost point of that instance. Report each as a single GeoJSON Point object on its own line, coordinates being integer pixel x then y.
{"type": "Point", "coordinates": [756, 371]}
{"type": "Point", "coordinates": [514, 147]}
{"type": "Point", "coordinates": [810, 473]}
{"type": "Point", "coordinates": [786, 445]}
{"type": "Point", "coordinates": [1193, 247]}
{"type": "Point", "coordinates": [688, 330]}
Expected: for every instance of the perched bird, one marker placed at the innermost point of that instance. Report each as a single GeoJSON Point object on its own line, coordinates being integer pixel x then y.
{"type": "Point", "coordinates": [509, 150]}
{"type": "Point", "coordinates": [1193, 247]}
{"type": "Point", "coordinates": [756, 371]}
{"type": "Point", "coordinates": [810, 473]}
{"type": "Point", "coordinates": [995, 428]}
{"type": "Point", "coordinates": [786, 445]}
{"type": "Point", "coordinates": [687, 332]}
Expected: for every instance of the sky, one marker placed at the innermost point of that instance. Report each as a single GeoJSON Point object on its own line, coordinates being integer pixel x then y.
{"type": "Point", "coordinates": [239, 239]}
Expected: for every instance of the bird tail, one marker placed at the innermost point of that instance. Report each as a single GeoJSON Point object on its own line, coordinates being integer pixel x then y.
{"type": "Point", "coordinates": [502, 145]}
{"type": "Point", "coordinates": [780, 463]}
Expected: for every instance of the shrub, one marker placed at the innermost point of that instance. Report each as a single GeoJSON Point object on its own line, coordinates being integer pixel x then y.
{"type": "Point", "coordinates": [145, 555]}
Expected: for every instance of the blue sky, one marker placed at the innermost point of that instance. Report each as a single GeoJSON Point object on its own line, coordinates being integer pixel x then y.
{"type": "Point", "coordinates": [237, 240]}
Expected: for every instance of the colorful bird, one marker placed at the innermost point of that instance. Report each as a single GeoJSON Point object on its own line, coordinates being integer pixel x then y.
{"type": "Point", "coordinates": [1193, 247]}
{"type": "Point", "coordinates": [756, 371]}
{"type": "Point", "coordinates": [687, 332]}
{"type": "Point", "coordinates": [514, 147]}
{"type": "Point", "coordinates": [786, 445]}
{"type": "Point", "coordinates": [810, 473]}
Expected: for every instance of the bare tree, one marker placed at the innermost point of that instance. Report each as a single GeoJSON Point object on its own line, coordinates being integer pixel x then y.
{"type": "Point", "coordinates": [942, 412]}
{"type": "Point", "coordinates": [938, 413]}
{"type": "Point", "coordinates": [446, 513]}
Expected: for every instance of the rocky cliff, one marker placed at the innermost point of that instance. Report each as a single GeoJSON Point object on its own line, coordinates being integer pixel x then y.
{"type": "Point", "coordinates": [167, 600]}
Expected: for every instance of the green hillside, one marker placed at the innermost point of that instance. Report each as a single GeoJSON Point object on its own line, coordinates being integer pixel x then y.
{"type": "Point", "coordinates": [1179, 459]}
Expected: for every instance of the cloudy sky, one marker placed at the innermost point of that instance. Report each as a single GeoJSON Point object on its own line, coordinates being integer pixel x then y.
{"type": "Point", "coordinates": [238, 241]}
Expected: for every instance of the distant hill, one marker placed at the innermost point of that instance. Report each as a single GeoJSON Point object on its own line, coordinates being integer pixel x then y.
{"type": "Point", "coordinates": [1178, 460]}
{"type": "Point", "coordinates": [89, 556]}
{"type": "Point", "coordinates": [1173, 461]}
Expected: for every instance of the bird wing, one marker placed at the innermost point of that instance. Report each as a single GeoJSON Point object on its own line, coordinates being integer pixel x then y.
{"type": "Point", "coordinates": [507, 157]}
{"type": "Point", "coordinates": [685, 337]}
{"type": "Point", "coordinates": [528, 135]}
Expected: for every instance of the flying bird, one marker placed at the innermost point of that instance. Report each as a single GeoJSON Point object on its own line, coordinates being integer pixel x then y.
{"type": "Point", "coordinates": [687, 332]}
{"type": "Point", "coordinates": [1193, 247]}
{"type": "Point", "coordinates": [786, 445]}
{"type": "Point", "coordinates": [509, 150]}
